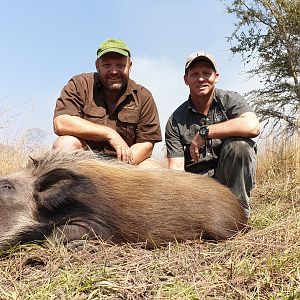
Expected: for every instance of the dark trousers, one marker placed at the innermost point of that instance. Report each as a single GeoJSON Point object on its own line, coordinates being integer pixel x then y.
{"type": "Point", "coordinates": [236, 168]}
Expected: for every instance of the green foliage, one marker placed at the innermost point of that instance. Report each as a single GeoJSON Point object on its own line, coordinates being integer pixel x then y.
{"type": "Point", "coordinates": [268, 32]}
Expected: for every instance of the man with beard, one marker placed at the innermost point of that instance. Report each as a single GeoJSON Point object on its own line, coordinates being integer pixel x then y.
{"type": "Point", "coordinates": [107, 112]}
{"type": "Point", "coordinates": [210, 133]}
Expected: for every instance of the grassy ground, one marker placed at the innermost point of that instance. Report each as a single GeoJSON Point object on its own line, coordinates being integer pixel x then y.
{"type": "Point", "coordinates": [262, 264]}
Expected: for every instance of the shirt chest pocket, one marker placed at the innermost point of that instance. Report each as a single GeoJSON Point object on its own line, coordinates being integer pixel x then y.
{"type": "Point", "coordinates": [127, 124]}
{"type": "Point", "coordinates": [94, 114]}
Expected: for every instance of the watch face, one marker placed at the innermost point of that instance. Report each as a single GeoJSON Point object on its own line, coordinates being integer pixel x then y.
{"type": "Point", "coordinates": [203, 131]}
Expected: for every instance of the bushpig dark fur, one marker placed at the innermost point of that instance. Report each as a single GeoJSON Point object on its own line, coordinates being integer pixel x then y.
{"type": "Point", "coordinates": [85, 197]}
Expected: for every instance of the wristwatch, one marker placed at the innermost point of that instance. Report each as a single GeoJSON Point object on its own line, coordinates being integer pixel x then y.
{"type": "Point", "coordinates": [203, 132]}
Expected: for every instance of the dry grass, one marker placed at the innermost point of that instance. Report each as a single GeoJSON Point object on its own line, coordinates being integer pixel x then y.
{"type": "Point", "coordinates": [262, 264]}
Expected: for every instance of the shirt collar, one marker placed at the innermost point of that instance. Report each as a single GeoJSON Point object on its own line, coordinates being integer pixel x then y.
{"type": "Point", "coordinates": [191, 106]}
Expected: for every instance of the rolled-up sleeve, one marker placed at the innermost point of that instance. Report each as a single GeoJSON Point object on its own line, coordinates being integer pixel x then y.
{"type": "Point", "coordinates": [148, 128]}
{"type": "Point", "coordinates": [235, 105]}
{"type": "Point", "coordinates": [69, 102]}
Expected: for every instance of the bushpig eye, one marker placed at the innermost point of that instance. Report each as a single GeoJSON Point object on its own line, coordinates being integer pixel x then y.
{"type": "Point", "coordinates": [6, 186]}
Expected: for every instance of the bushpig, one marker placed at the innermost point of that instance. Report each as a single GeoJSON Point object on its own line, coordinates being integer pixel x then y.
{"type": "Point", "coordinates": [81, 196]}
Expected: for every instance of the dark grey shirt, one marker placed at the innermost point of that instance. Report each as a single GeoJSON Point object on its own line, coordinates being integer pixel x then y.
{"type": "Point", "coordinates": [185, 122]}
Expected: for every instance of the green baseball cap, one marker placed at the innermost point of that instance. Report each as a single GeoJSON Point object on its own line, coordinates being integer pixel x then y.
{"type": "Point", "coordinates": [113, 45]}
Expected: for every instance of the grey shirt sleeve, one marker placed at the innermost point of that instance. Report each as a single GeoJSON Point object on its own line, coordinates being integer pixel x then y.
{"type": "Point", "coordinates": [235, 104]}
{"type": "Point", "coordinates": [172, 138]}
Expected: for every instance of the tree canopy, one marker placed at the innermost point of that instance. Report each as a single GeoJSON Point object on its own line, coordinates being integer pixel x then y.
{"type": "Point", "coordinates": [267, 35]}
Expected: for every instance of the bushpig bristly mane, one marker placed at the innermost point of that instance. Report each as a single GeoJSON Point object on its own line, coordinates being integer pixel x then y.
{"type": "Point", "coordinates": [84, 196]}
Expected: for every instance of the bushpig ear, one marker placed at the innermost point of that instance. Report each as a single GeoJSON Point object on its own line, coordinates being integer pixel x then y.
{"type": "Point", "coordinates": [59, 187]}
{"type": "Point", "coordinates": [34, 161]}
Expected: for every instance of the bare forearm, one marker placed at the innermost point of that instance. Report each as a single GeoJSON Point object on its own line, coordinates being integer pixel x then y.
{"type": "Point", "coordinates": [141, 151]}
{"type": "Point", "coordinates": [246, 125]}
{"type": "Point", "coordinates": [83, 129]}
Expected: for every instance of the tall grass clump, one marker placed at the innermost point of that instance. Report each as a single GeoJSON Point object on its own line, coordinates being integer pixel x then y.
{"type": "Point", "coordinates": [260, 264]}
{"type": "Point", "coordinates": [278, 178]}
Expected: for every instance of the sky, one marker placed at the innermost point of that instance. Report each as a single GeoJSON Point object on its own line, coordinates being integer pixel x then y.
{"type": "Point", "coordinates": [45, 43]}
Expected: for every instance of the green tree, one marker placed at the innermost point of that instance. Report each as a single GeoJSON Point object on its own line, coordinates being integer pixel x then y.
{"type": "Point", "coordinates": [268, 33]}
